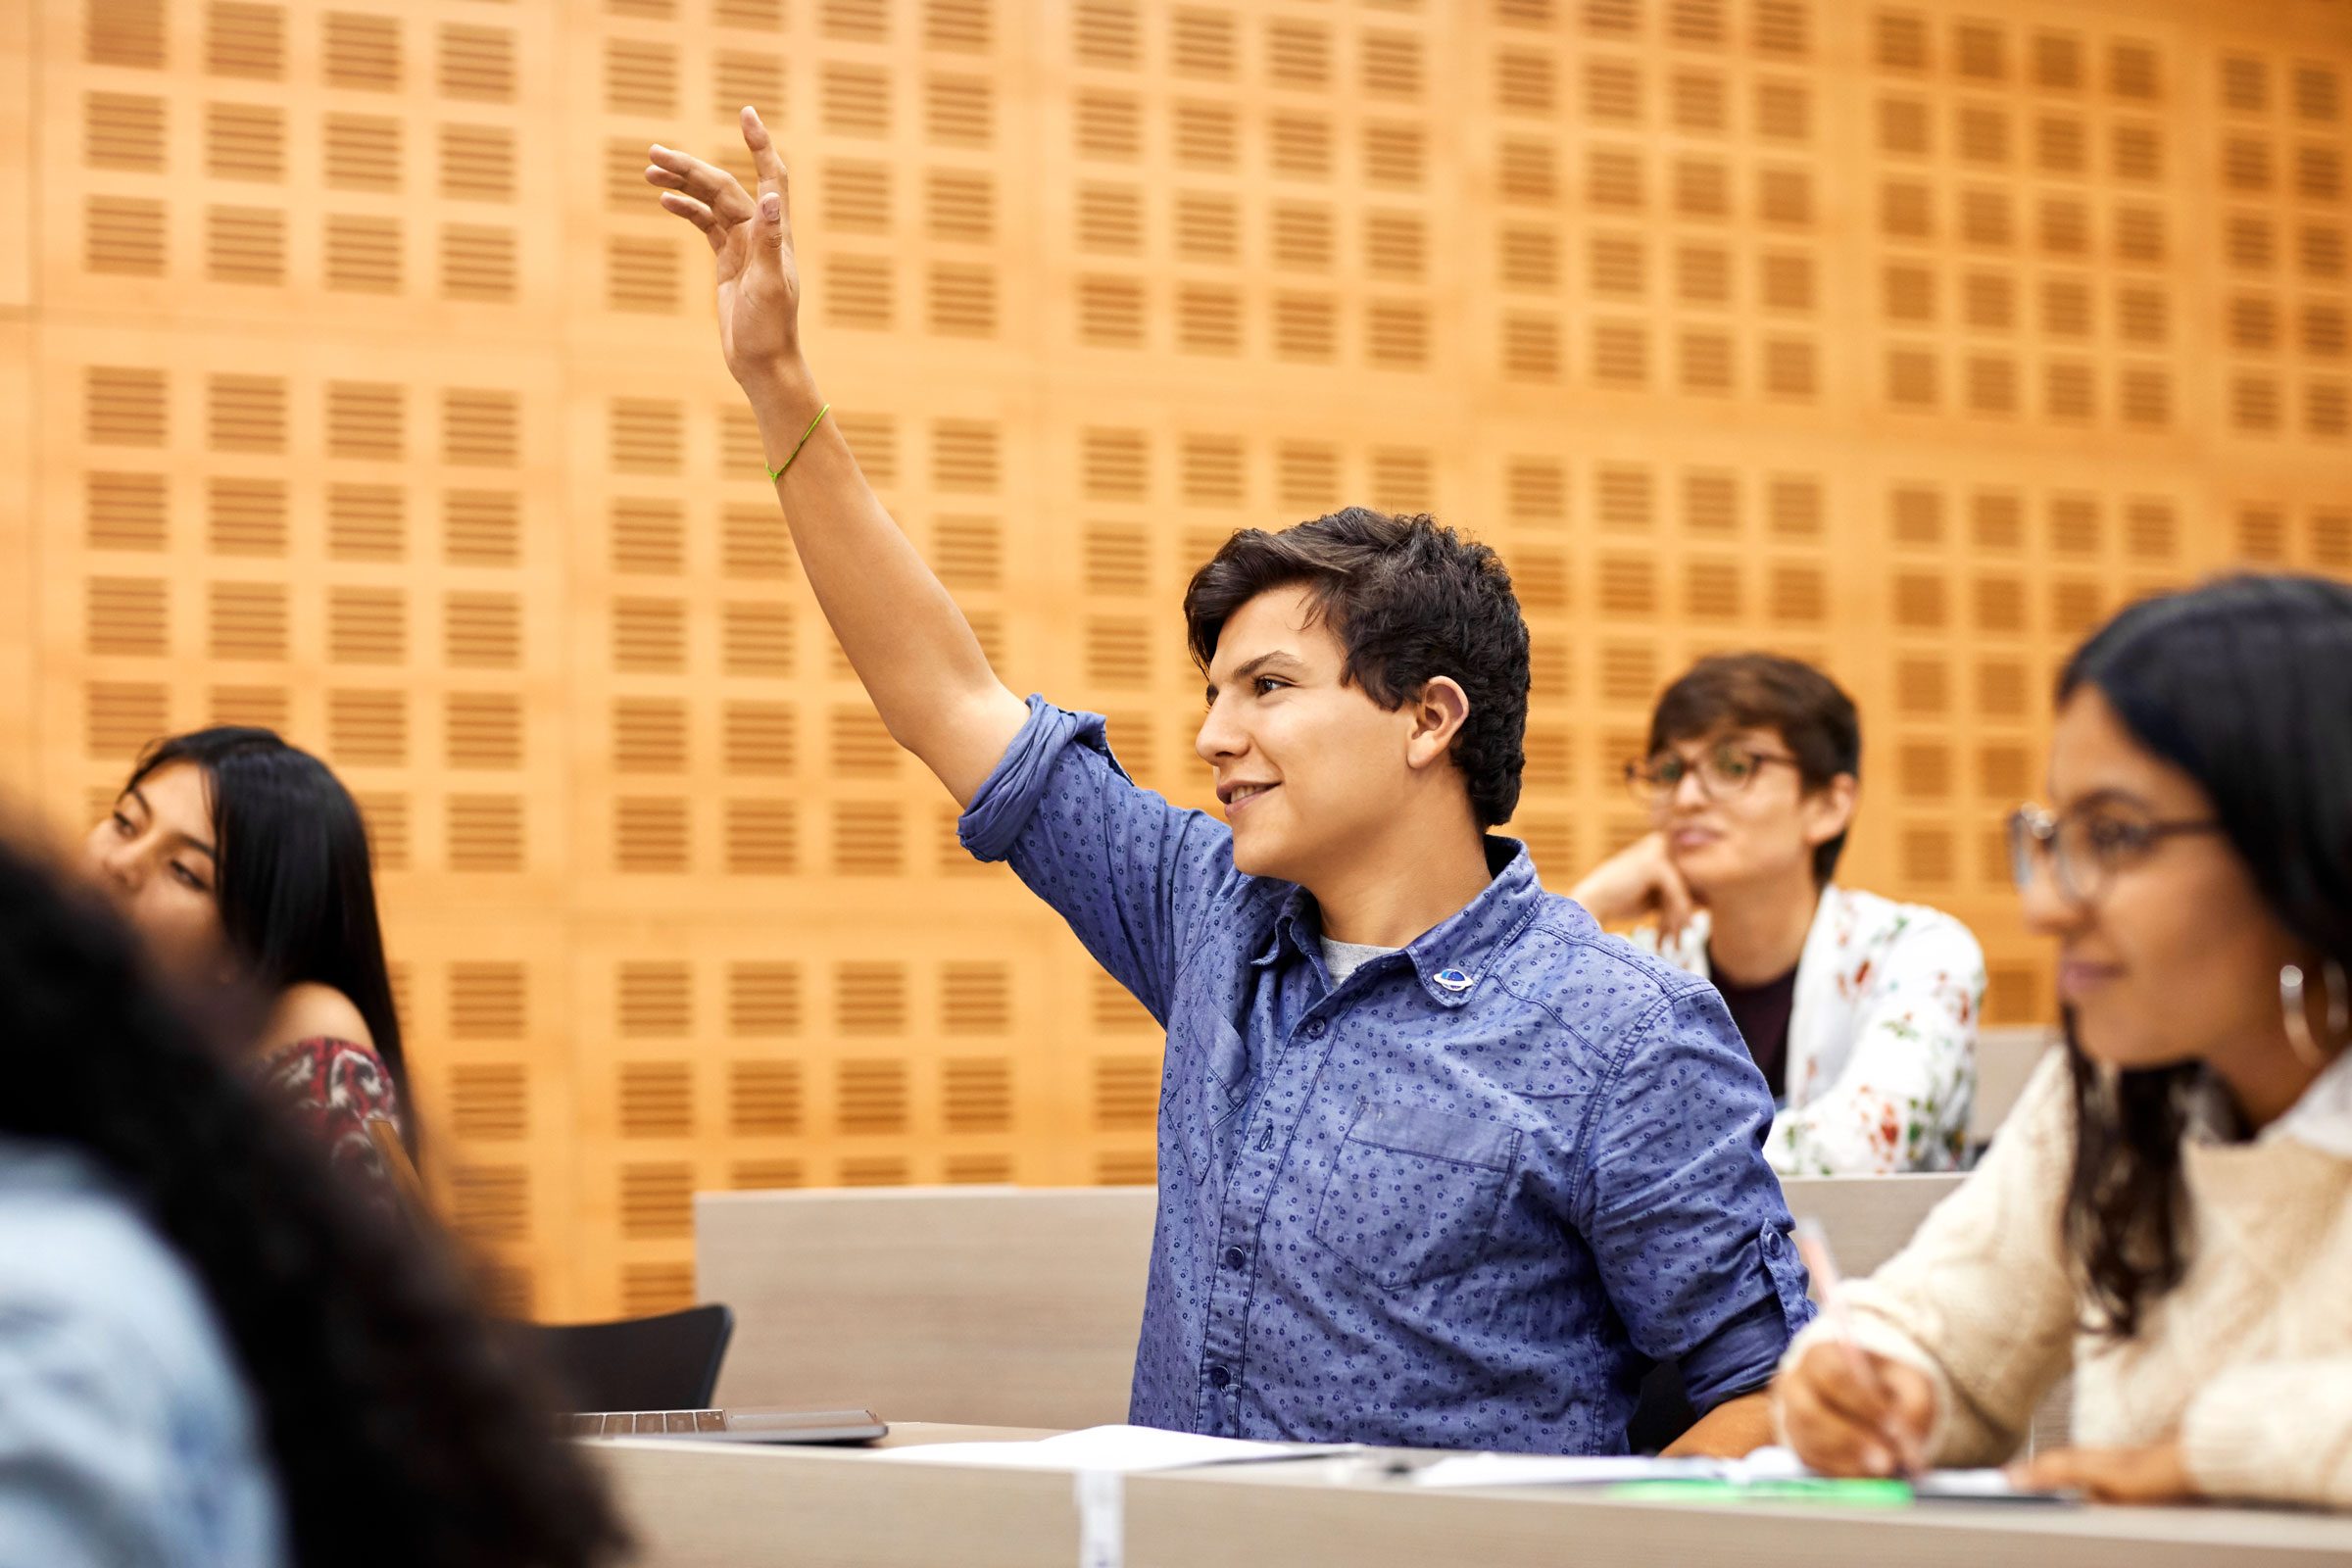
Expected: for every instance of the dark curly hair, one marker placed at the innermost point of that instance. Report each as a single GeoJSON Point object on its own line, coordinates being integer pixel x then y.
{"type": "Point", "coordinates": [374, 1376]}
{"type": "Point", "coordinates": [2244, 684]}
{"type": "Point", "coordinates": [1410, 601]}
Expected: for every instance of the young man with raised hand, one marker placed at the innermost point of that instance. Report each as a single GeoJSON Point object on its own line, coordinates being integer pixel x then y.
{"type": "Point", "coordinates": [1440, 1163]}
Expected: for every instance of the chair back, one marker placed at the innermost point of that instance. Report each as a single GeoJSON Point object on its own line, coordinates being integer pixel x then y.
{"type": "Point", "coordinates": [2005, 1059]}
{"type": "Point", "coordinates": [982, 1304]}
{"type": "Point", "coordinates": [668, 1363]}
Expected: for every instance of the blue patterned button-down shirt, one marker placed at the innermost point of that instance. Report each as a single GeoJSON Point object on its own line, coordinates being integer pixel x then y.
{"type": "Point", "coordinates": [1463, 1200]}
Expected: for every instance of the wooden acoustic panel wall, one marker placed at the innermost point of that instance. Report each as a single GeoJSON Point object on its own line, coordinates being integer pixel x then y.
{"type": "Point", "coordinates": [358, 387]}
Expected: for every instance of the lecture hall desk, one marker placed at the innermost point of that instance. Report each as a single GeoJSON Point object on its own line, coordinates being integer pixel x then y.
{"type": "Point", "coordinates": [712, 1505]}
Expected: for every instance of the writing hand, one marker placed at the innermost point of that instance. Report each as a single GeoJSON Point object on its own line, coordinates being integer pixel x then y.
{"type": "Point", "coordinates": [1847, 1411]}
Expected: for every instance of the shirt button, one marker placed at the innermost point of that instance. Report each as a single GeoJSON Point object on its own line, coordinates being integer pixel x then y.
{"type": "Point", "coordinates": [1317, 1029]}
{"type": "Point", "coordinates": [1233, 1257]}
{"type": "Point", "coordinates": [1218, 1377]}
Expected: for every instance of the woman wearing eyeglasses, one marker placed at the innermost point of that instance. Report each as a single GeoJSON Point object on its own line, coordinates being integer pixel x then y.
{"type": "Point", "coordinates": [1860, 1012]}
{"type": "Point", "coordinates": [2165, 1212]}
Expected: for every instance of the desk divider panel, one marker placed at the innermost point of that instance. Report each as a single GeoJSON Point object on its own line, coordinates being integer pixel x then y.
{"type": "Point", "coordinates": [1018, 1307]}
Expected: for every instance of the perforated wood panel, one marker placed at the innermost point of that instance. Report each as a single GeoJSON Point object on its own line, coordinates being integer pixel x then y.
{"type": "Point", "coordinates": [358, 387]}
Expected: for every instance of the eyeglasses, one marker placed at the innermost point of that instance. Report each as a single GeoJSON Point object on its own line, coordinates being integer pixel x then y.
{"type": "Point", "coordinates": [1723, 771]}
{"type": "Point", "coordinates": [2084, 848]}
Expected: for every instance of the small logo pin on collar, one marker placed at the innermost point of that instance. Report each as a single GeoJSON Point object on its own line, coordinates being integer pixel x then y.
{"type": "Point", "coordinates": [1453, 979]}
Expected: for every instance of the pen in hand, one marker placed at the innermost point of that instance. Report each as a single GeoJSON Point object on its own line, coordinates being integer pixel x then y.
{"type": "Point", "coordinates": [1813, 1248]}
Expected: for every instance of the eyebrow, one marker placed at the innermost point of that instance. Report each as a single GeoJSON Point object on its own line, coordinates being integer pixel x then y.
{"type": "Point", "coordinates": [1707, 743]}
{"type": "Point", "coordinates": [196, 844]}
{"type": "Point", "coordinates": [1282, 655]}
{"type": "Point", "coordinates": [2112, 796]}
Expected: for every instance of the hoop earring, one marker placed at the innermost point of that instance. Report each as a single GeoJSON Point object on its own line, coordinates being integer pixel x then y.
{"type": "Point", "coordinates": [2298, 1025]}
{"type": "Point", "coordinates": [2340, 1001]}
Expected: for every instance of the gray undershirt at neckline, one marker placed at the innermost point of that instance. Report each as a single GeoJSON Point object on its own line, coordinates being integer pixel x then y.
{"type": "Point", "coordinates": [1344, 958]}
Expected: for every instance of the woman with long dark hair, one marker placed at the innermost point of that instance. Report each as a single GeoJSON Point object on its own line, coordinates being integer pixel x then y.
{"type": "Point", "coordinates": [2165, 1212]}
{"type": "Point", "coordinates": [244, 861]}
{"type": "Point", "coordinates": [208, 1356]}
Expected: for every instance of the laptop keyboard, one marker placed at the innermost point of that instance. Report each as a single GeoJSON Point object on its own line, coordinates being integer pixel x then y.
{"type": "Point", "coordinates": [633, 1423]}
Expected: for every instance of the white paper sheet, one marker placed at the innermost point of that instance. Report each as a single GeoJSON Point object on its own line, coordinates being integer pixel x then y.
{"type": "Point", "coordinates": [1119, 1451]}
{"type": "Point", "coordinates": [1945, 1485]}
{"type": "Point", "coordinates": [1544, 1470]}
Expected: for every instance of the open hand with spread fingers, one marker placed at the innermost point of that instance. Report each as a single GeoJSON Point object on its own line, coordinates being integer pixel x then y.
{"type": "Point", "coordinates": [750, 236]}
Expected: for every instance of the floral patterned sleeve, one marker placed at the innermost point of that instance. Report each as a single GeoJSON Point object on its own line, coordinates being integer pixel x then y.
{"type": "Point", "coordinates": [1901, 1101]}
{"type": "Point", "coordinates": [335, 1088]}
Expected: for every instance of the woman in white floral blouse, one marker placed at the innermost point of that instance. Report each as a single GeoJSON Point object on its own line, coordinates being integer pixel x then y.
{"type": "Point", "coordinates": [1861, 1012]}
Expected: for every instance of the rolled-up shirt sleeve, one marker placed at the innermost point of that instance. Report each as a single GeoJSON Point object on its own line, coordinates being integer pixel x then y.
{"type": "Point", "coordinates": [1133, 874]}
{"type": "Point", "coordinates": [1682, 1212]}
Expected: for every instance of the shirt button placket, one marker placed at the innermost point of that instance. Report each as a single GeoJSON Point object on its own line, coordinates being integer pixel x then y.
{"type": "Point", "coordinates": [1229, 1304]}
{"type": "Point", "coordinates": [1248, 1197]}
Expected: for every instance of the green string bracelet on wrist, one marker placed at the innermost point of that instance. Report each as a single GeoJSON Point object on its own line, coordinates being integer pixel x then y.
{"type": "Point", "coordinates": [777, 473]}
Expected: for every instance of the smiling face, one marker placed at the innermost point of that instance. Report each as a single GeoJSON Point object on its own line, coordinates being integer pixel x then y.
{"type": "Point", "coordinates": [1722, 838]}
{"type": "Point", "coordinates": [1310, 771]}
{"type": "Point", "coordinates": [2177, 957]}
{"type": "Point", "coordinates": [153, 856]}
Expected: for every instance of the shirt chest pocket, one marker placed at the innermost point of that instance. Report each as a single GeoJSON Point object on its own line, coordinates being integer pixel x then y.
{"type": "Point", "coordinates": [1414, 1193]}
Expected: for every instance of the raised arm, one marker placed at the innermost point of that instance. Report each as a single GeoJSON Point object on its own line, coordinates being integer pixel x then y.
{"type": "Point", "coordinates": [903, 635]}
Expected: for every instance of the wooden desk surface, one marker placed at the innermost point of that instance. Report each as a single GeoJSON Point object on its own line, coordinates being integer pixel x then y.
{"type": "Point", "coordinates": [750, 1506]}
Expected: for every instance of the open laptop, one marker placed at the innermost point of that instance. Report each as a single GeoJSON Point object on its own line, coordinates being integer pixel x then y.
{"type": "Point", "coordinates": [753, 1424]}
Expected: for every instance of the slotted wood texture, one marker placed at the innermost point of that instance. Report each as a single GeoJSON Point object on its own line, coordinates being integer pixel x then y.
{"type": "Point", "coordinates": [354, 384]}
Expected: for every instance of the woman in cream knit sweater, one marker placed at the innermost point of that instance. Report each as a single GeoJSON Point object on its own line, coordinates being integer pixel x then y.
{"type": "Point", "coordinates": [2165, 1212]}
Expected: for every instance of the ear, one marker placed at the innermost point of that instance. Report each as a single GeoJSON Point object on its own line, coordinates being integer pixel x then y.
{"type": "Point", "coordinates": [1829, 810]}
{"type": "Point", "coordinates": [1438, 714]}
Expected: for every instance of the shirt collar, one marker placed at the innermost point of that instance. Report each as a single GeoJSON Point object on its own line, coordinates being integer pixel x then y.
{"type": "Point", "coordinates": [2321, 1117]}
{"type": "Point", "coordinates": [1454, 958]}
